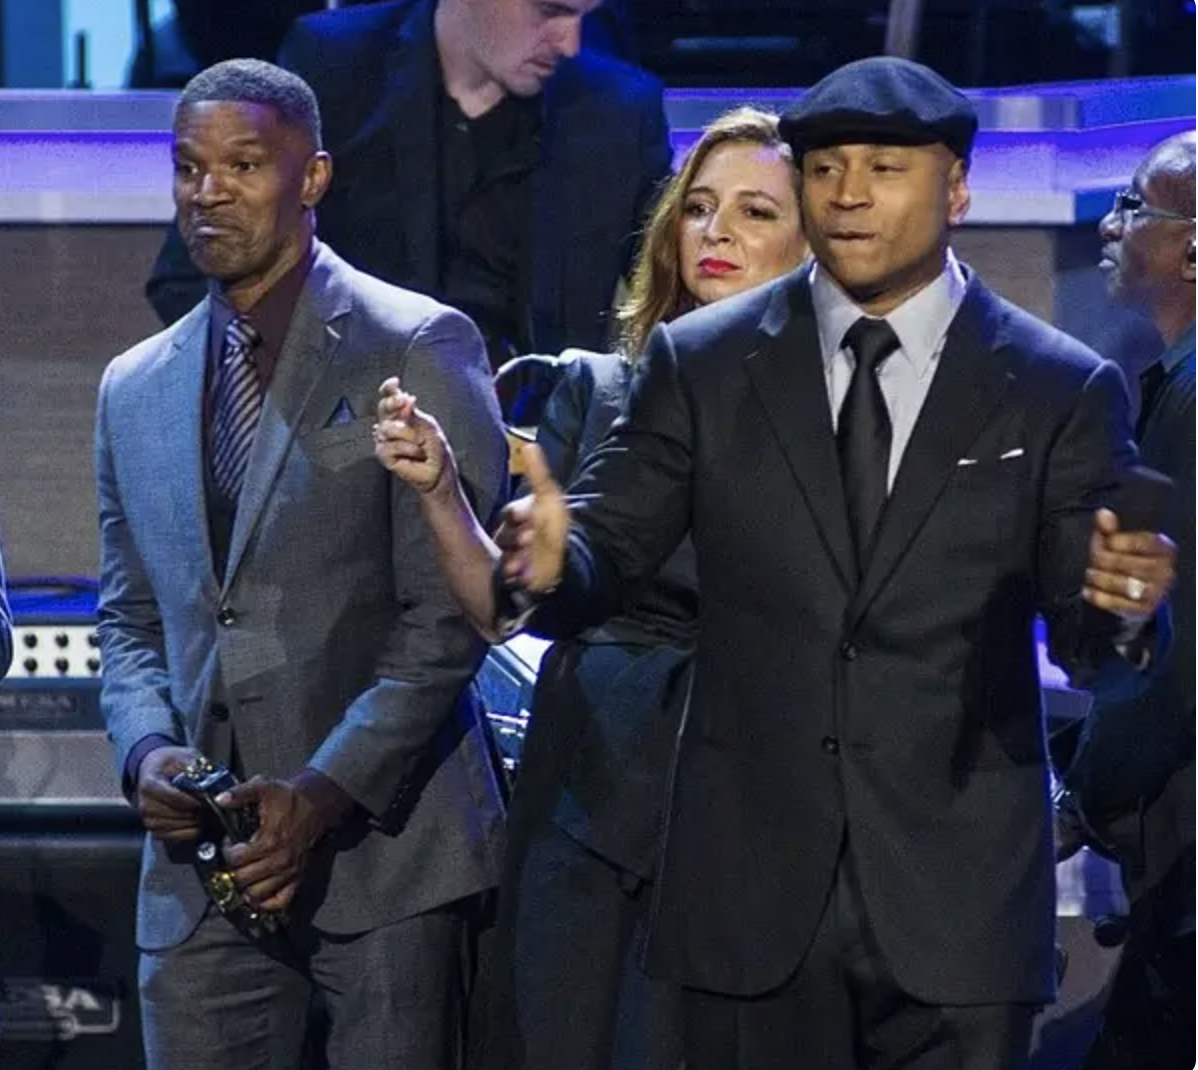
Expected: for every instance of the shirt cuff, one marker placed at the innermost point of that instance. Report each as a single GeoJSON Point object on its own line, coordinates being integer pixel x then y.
{"type": "Point", "coordinates": [332, 802]}
{"type": "Point", "coordinates": [138, 755]}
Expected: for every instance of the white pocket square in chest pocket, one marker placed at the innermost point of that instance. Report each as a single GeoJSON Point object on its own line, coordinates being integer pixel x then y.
{"type": "Point", "coordinates": [1009, 455]}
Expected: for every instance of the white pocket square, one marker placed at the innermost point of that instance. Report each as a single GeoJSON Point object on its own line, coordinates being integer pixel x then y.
{"type": "Point", "coordinates": [1010, 455]}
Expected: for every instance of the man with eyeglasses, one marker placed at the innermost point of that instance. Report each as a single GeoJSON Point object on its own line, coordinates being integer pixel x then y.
{"type": "Point", "coordinates": [1133, 777]}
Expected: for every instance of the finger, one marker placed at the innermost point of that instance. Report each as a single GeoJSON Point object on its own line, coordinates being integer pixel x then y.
{"type": "Point", "coordinates": [398, 431]}
{"type": "Point", "coordinates": [1115, 604]}
{"type": "Point", "coordinates": [263, 890]}
{"type": "Point", "coordinates": [246, 794]}
{"type": "Point", "coordinates": [165, 815]}
{"type": "Point", "coordinates": [274, 867]}
{"type": "Point", "coordinates": [164, 826]}
{"type": "Point", "coordinates": [1123, 570]}
{"type": "Point", "coordinates": [537, 471]}
{"type": "Point", "coordinates": [399, 404]}
{"type": "Point", "coordinates": [281, 900]}
{"type": "Point", "coordinates": [1140, 543]}
{"type": "Point", "coordinates": [1115, 583]}
{"type": "Point", "coordinates": [1106, 522]}
{"type": "Point", "coordinates": [174, 835]}
{"type": "Point", "coordinates": [389, 386]}
{"type": "Point", "coordinates": [158, 793]}
{"type": "Point", "coordinates": [399, 450]}
{"type": "Point", "coordinates": [1141, 566]}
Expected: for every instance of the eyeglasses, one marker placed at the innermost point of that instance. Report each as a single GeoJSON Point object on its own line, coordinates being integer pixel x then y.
{"type": "Point", "coordinates": [1129, 202]}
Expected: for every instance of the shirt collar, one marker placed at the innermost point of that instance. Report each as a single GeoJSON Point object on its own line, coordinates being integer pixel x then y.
{"type": "Point", "coordinates": [920, 322]}
{"type": "Point", "coordinates": [1179, 350]}
{"type": "Point", "coordinates": [272, 313]}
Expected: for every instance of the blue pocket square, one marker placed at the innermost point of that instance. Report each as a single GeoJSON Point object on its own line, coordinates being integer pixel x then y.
{"type": "Point", "coordinates": [342, 414]}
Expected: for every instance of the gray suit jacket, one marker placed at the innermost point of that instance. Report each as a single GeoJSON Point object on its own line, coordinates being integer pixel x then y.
{"type": "Point", "coordinates": [332, 640]}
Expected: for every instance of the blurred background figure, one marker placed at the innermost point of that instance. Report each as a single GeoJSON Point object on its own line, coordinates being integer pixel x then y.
{"type": "Point", "coordinates": [199, 33]}
{"type": "Point", "coordinates": [477, 147]}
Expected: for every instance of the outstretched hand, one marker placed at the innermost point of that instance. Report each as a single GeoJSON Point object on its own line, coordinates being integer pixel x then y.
{"type": "Point", "coordinates": [410, 443]}
{"type": "Point", "coordinates": [533, 529]}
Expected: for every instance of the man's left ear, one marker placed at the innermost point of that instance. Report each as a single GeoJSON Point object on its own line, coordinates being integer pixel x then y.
{"type": "Point", "coordinates": [1188, 271]}
{"type": "Point", "coordinates": [317, 175]}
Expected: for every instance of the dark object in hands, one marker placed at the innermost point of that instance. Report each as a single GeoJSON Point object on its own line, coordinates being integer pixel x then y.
{"type": "Point", "coordinates": [205, 780]}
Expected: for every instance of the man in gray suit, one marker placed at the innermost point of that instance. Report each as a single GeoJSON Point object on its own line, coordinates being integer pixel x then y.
{"type": "Point", "coordinates": [270, 599]}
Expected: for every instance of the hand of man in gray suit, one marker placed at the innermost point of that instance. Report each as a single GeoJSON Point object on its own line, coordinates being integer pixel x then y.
{"type": "Point", "coordinates": [270, 866]}
{"type": "Point", "coordinates": [167, 813]}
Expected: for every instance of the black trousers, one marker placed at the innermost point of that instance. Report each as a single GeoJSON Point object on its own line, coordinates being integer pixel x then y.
{"type": "Point", "coordinates": [1149, 1020]}
{"type": "Point", "coordinates": [841, 1010]}
{"type": "Point", "coordinates": [565, 989]}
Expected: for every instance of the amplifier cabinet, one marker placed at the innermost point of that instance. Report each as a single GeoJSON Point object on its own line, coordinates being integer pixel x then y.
{"type": "Point", "coordinates": [68, 962]}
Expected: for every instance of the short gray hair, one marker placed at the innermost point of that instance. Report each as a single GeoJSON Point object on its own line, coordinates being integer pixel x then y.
{"type": "Point", "coordinates": [254, 81]}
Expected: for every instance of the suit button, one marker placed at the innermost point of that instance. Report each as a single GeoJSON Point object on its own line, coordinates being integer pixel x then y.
{"type": "Point", "coordinates": [219, 711]}
{"type": "Point", "coordinates": [849, 651]}
{"type": "Point", "coordinates": [830, 745]}
{"type": "Point", "coordinates": [226, 617]}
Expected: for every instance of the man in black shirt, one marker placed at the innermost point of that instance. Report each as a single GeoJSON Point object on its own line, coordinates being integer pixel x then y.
{"type": "Point", "coordinates": [482, 157]}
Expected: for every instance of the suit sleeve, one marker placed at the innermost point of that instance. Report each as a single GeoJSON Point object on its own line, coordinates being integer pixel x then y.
{"type": "Point", "coordinates": [135, 692]}
{"type": "Point", "coordinates": [1131, 747]}
{"type": "Point", "coordinates": [1091, 451]}
{"type": "Point", "coordinates": [432, 652]}
{"type": "Point", "coordinates": [559, 431]}
{"type": "Point", "coordinates": [631, 503]}
{"type": "Point", "coordinates": [5, 624]}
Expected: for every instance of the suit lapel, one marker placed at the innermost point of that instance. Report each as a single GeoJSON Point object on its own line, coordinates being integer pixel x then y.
{"type": "Point", "coordinates": [412, 113]}
{"type": "Point", "coordinates": [309, 347]}
{"type": "Point", "coordinates": [968, 386]}
{"type": "Point", "coordinates": [181, 406]}
{"type": "Point", "coordinates": [787, 373]}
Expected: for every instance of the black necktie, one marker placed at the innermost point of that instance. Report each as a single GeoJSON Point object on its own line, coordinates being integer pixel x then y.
{"type": "Point", "coordinates": [863, 431]}
{"type": "Point", "coordinates": [1151, 381]}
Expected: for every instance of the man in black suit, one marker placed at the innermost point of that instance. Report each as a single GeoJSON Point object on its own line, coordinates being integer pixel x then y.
{"type": "Point", "coordinates": [482, 157]}
{"type": "Point", "coordinates": [1133, 776]}
{"type": "Point", "coordinates": [887, 471]}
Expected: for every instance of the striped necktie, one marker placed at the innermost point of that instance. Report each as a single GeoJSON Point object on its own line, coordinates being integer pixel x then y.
{"type": "Point", "coordinates": [236, 407]}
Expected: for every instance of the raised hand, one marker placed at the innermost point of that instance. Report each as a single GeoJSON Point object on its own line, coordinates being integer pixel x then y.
{"type": "Point", "coordinates": [533, 531]}
{"type": "Point", "coordinates": [410, 443]}
{"type": "Point", "coordinates": [1130, 572]}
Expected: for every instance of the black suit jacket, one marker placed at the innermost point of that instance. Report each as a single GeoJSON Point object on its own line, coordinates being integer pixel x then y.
{"type": "Point", "coordinates": [606, 709]}
{"type": "Point", "coordinates": [902, 712]}
{"type": "Point", "coordinates": [374, 69]}
{"type": "Point", "coordinates": [1134, 771]}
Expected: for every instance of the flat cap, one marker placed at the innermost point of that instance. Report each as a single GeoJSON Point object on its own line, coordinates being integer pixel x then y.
{"type": "Point", "coordinates": [881, 100]}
